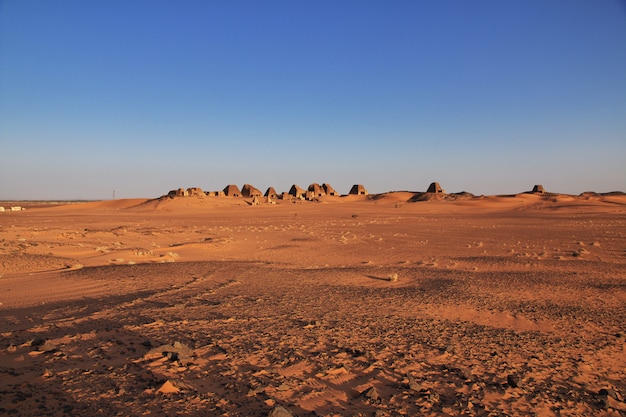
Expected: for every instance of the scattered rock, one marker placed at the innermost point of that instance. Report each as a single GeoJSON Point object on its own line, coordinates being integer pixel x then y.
{"type": "Point", "coordinates": [176, 352]}
{"type": "Point", "coordinates": [413, 384]}
{"type": "Point", "coordinates": [183, 349]}
{"type": "Point", "coordinates": [513, 380]}
{"type": "Point", "coordinates": [47, 347]}
{"type": "Point", "coordinates": [168, 388]}
{"type": "Point", "coordinates": [38, 341]}
{"type": "Point", "coordinates": [279, 411]}
{"type": "Point", "coordinates": [257, 390]}
{"type": "Point", "coordinates": [371, 394]}
{"type": "Point", "coordinates": [609, 392]}
{"type": "Point", "coordinates": [465, 373]}
{"type": "Point", "coordinates": [393, 277]}
{"type": "Point", "coordinates": [432, 395]}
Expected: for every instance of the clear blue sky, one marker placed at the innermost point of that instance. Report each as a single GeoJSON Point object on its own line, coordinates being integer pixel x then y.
{"type": "Point", "coordinates": [142, 97]}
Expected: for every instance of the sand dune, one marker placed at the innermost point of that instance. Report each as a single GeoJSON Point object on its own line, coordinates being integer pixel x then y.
{"type": "Point", "coordinates": [361, 305]}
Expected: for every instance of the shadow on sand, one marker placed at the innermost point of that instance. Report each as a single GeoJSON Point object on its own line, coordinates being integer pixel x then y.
{"type": "Point", "coordinates": [378, 278]}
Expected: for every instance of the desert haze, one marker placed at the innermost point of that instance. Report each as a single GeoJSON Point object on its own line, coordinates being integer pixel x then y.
{"type": "Point", "coordinates": [363, 305]}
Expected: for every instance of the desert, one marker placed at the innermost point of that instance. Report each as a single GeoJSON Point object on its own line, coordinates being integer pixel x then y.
{"type": "Point", "coordinates": [402, 303]}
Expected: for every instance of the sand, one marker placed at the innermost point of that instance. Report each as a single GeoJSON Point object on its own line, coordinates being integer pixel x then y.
{"type": "Point", "coordinates": [352, 306]}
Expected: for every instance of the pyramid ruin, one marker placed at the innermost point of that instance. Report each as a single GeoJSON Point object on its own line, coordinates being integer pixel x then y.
{"type": "Point", "coordinates": [315, 190]}
{"type": "Point", "coordinates": [297, 192]}
{"type": "Point", "coordinates": [358, 189]}
{"type": "Point", "coordinates": [539, 189]}
{"type": "Point", "coordinates": [232, 190]}
{"type": "Point", "coordinates": [328, 190]}
{"type": "Point", "coordinates": [249, 191]}
{"type": "Point", "coordinates": [434, 187]}
{"type": "Point", "coordinates": [271, 193]}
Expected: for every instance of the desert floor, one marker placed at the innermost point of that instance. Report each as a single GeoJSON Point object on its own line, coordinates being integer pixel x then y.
{"type": "Point", "coordinates": [210, 306]}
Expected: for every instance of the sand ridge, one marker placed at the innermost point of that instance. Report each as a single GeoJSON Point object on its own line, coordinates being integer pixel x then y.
{"type": "Point", "coordinates": [510, 305]}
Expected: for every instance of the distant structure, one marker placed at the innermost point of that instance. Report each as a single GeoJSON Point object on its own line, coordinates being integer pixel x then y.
{"type": "Point", "coordinates": [315, 190]}
{"type": "Point", "coordinates": [232, 190]}
{"type": "Point", "coordinates": [435, 188]}
{"type": "Point", "coordinates": [271, 193]}
{"type": "Point", "coordinates": [256, 200]}
{"type": "Point", "coordinates": [328, 190]}
{"type": "Point", "coordinates": [297, 192]}
{"type": "Point", "coordinates": [249, 191]}
{"type": "Point", "coordinates": [195, 192]}
{"type": "Point", "coordinates": [189, 192]}
{"type": "Point", "coordinates": [358, 189]}
{"type": "Point", "coordinates": [180, 192]}
{"type": "Point", "coordinates": [539, 189]}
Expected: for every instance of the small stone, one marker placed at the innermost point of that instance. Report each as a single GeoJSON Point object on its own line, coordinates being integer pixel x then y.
{"type": "Point", "coordinates": [279, 411]}
{"type": "Point", "coordinates": [182, 349]}
{"type": "Point", "coordinates": [37, 342]}
{"type": "Point", "coordinates": [371, 394]}
{"type": "Point", "coordinates": [512, 380]}
{"type": "Point", "coordinates": [47, 347]}
{"type": "Point", "coordinates": [413, 384]}
{"type": "Point", "coordinates": [464, 373]}
{"type": "Point", "coordinates": [168, 388]}
{"type": "Point", "coordinates": [433, 396]}
{"type": "Point", "coordinates": [608, 392]}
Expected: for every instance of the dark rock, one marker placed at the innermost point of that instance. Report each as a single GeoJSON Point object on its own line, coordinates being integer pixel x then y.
{"type": "Point", "coordinates": [513, 380]}
{"type": "Point", "coordinates": [38, 341]}
{"type": "Point", "coordinates": [608, 392]}
{"type": "Point", "coordinates": [603, 402]}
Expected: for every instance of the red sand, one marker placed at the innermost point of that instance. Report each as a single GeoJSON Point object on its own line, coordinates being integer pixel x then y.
{"type": "Point", "coordinates": [209, 306]}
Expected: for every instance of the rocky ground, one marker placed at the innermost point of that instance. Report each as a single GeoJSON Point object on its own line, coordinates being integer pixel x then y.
{"type": "Point", "coordinates": [363, 308]}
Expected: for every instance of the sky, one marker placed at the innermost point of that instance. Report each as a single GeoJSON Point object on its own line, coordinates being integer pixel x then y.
{"type": "Point", "coordinates": [136, 98]}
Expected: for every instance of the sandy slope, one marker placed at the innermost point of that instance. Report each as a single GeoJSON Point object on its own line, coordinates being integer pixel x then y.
{"type": "Point", "coordinates": [512, 305]}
